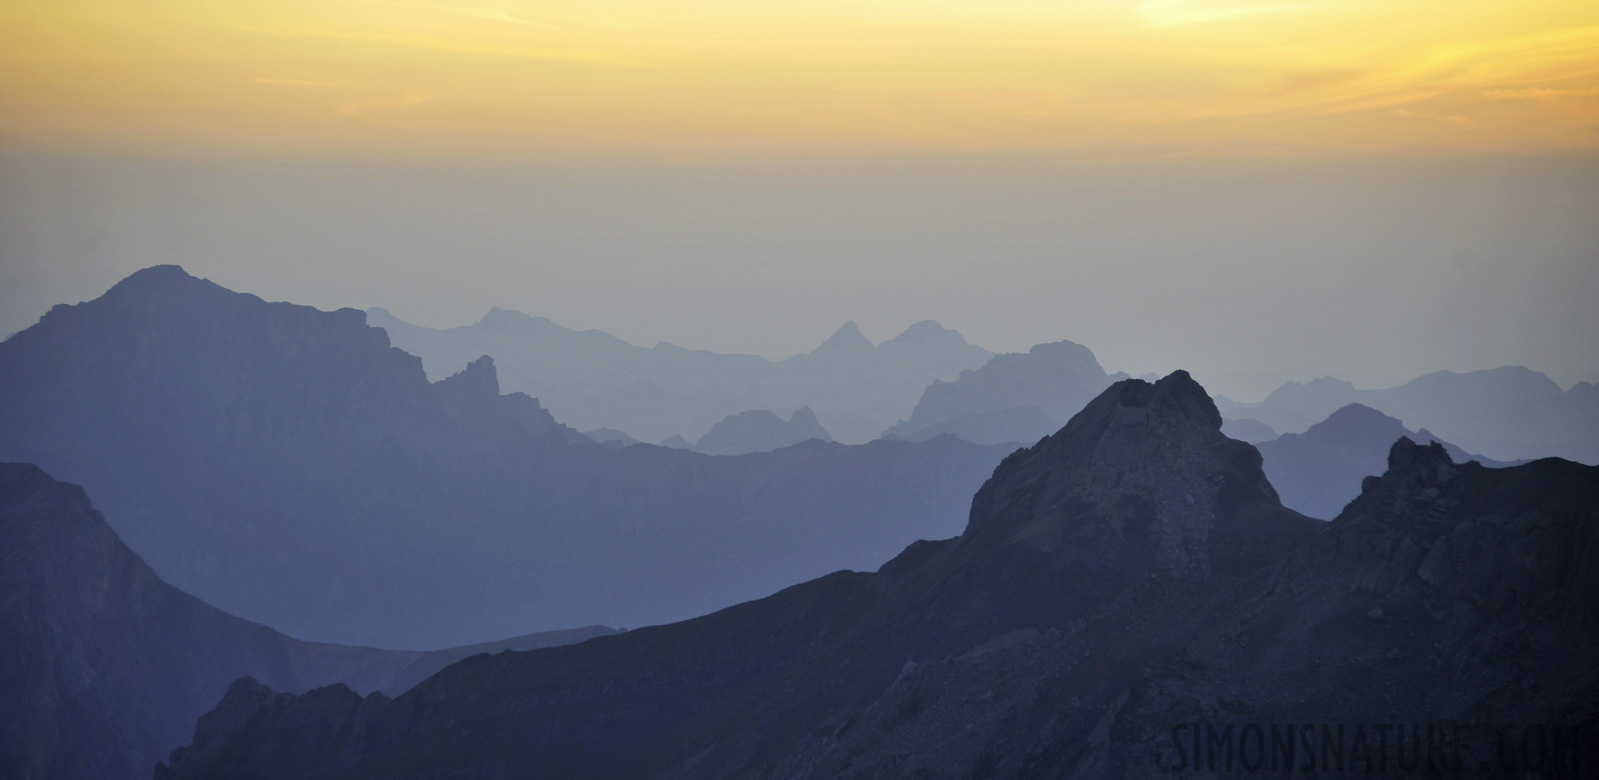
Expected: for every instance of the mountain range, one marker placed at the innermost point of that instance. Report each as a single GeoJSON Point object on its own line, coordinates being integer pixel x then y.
{"type": "Point", "coordinates": [1319, 471]}
{"type": "Point", "coordinates": [591, 380]}
{"type": "Point", "coordinates": [1508, 413]}
{"type": "Point", "coordinates": [1015, 397]}
{"type": "Point", "coordinates": [1120, 587]}
{"type": "Point", "coordinates": [104, 668]}
{"type": "Point", "coordinates": [291, 467]}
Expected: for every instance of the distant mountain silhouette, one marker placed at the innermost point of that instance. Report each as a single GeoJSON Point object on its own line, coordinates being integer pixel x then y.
{"type": "Point", "coordinates": [1319, 471]}
{"type": "Point", "coordinates": [611, 437]}
{"type": "Point", "coordinates": [104, 668]}
{"type": "Point", "coordinates": [289, 466]}
{"type": "Point", "coordinates": [1127, 576]}
{"type": "Point", "coordinates": [760, 431]}
{"type": "Point", "coordinates": [1015, 397]}
{"type": "Point", "coordinates": [590, 379]}
{"type": "Point", "coordinates": [1510, 413]}
{"type": "Point", "coordinates": [1247, 430]}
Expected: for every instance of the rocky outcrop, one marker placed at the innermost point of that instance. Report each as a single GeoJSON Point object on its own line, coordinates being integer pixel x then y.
{"type": "Point", "coordinates": [104, 667]}
{"type": "Point", "coordinates": [1125, 579]}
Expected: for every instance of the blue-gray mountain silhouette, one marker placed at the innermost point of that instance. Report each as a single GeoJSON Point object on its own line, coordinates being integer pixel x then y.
{"type": "Point", "coordinates": [1319, 471]}
{"type": "Point", "coordinates": [1509, 413]}
{"type": "Point", "coordinates": [590, 379]}
{"type": "Point", "coordinates": [291, 467]}
{"type": "Point", "coordinates": [1015, 397]}
{"type": "Point", "coordinates": [760, 431]}
{"type": "Point", "coordinates": [104, 668]}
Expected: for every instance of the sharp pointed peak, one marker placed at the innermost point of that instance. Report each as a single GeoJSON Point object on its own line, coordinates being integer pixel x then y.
{"type": "Point", "coordinates": [848, 335]}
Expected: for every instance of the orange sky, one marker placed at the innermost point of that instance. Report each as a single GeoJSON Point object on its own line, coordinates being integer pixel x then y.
{"type": "Point", "coordinates": [715, 78]}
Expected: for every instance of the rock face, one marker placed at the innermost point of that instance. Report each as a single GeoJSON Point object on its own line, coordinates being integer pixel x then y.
{"type": "Point", "coordinates": [1319, 471]}
{"type": "Point", "coordinates": [104, 668]}
{"type": "Point", "coordinates": [1019, 397]}
{"type": "Point", "coordinates": [591, 379]}
{"type": "Point", "coordinates": [1128, 575]}
{"type": "Point", "coordinates": [288, 466]}
{"type": "Point", "coordinates": [1509, 413]}
{"type": "Point", "coordinates": [761, 431]}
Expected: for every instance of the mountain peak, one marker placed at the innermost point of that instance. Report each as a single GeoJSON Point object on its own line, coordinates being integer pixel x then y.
{"type": "Point", "coordinates": [1408, 456]}
{"type": "Point", "coordinates": [503, 320]}
{"type": "Point", "coordinates": [477, 380]}
{"type": "Point", "coordinates": [1153, 450]}
{"type": "Point", "coordinates": [927, 330]}
{"type": "Point", "coordinates": [155, 280]}
{"type": "Point", "coordinates": [847, 336]}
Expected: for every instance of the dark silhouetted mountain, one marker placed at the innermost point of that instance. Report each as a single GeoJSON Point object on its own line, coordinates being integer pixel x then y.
{"type": "Point", "coordinates": [104, 668]}
{"type": "Point", "coordinates": [1247, 430]}
{"type": "Point", "coordinates": [1126, 576]}
{"type": "Point", "coordinates": [1319, 471]}
{"type": "Point", "coordinates": [290, 467]}
{"type": "Point", "coordinates": [760, 431]}
{"type": "Point", "coordinates": [1015, 397]}
{"type": "Point", "coordinates": [591, 379]}
{"type": "Point", "coordinates": [1509, 413]}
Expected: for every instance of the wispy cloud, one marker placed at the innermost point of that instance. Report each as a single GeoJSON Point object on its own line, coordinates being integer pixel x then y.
{"type": "Point", "coordinates": [1456, 120]}
{"type": "Point", "coordinates": [364, 109]}
{"type": "Point", "coordinates": [492, 13]}
{"type": "Point", "coordinates": [1539, 92]}
{"type": "Point", "coordinates": [293, 82]}
{"type": "Point", "coordinates": [1172, 13]}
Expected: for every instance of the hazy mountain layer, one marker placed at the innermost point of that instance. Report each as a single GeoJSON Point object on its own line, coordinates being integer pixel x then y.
{"type": "Point", "coordinates": [289, 466]}
{"type": "Point", "coordinates": [1319, 471]}
{"type": "Point", "coordinates": [1128, 575]}
{"type": "Point", "coordinates": [1509, 413]}
{"type": "Point", "coordinates": [1015, 397]}
{"type": "Point", "coordinates": [760, 431]}
{"type": "Point", "coordinates": [590, 379]}
{"type": "Point", "coordinates": [104, 668]}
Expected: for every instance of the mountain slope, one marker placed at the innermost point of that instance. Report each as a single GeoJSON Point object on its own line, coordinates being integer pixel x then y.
{"type": "Point", "coordinates": [1016, 397]}
{"type": "Point", "coordinates": [1132, 573]}
{"type": "Point", "coordinates": [104, 668]}
{"type": "Point", "coordinates": [1319, 471]}
{"type": "Point", "coordinates": [290, 467]}
{"type": "Point", "coordinates": [591, 379]}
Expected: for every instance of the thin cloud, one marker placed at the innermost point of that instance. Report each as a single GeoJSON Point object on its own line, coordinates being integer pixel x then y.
{"type": "Point", "coordinates": [363, 108]}
{"type": "Point", "coordinates": [1456, 120]}
{"type": "Point", "coordinates": [1173, 13]}
{"type": "Point", "coordinates": [293, 82]}
{"type": "Point", "coordinates": [1539, 92]}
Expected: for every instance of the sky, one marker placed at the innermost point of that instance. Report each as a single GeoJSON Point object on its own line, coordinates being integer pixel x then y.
{"type": "Point", "coordinates": [1255, 190]}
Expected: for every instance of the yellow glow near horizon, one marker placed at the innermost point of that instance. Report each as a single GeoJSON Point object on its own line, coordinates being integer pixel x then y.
{"type": "Point", "coordinates": [708, 78]}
